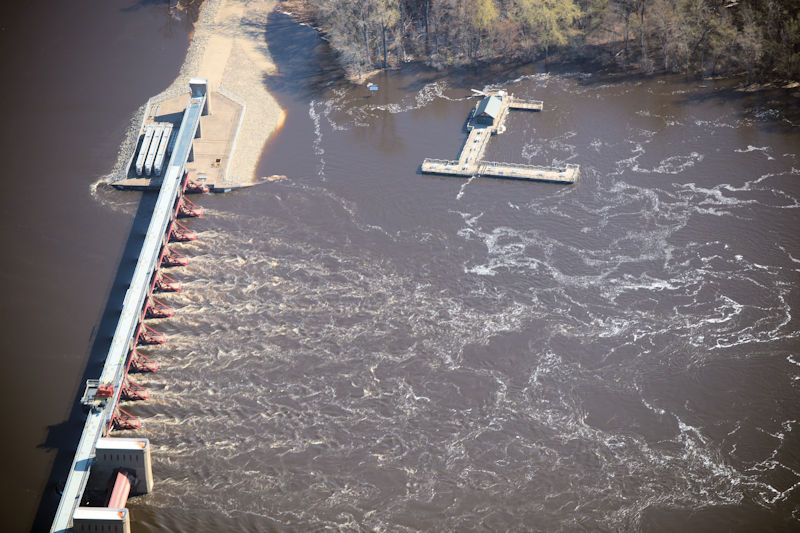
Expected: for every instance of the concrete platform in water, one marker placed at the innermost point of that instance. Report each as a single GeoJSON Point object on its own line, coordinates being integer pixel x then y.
{"type": "Point", "coordinates": [493, 169]}
{"type": "Point", "coordinates": [487, 119]}
{"type": "Point", "coordinates": [212, 149]}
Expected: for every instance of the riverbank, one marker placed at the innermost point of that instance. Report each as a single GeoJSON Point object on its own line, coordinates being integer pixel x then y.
{"type": "Point", "coordinates": [710, 42]}
{"type": "Point", "coordinates": [228, 48]}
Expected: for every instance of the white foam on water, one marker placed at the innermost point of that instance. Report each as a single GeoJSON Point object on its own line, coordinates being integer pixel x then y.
{"type": "Point", "coordinates": [632, 162]}
{"type": "Point", "coordinates": [297, 350]}
{"type": "Point", "coordinates": [750, 148]}
{"type": "Point", "coordinates": [677, 163]}
{"type": "Point", "coordinates": [674, 164]}
{"type": "Point", "coordinates": [717, 123]}
{"type": "Point", "coordinates": [427, 94]}
{"type": "Point", "coordinates": [541, 79]}
{"type": "Point", "coordinates": [656, 410]}
{"type": "Point", "coordinates": [317, 144]}
{"type": "Point", "coordinates": [102, 192]}
{"type": "Point", "coordinates": [636, 474]}
{"type": "Point", "coordinates": [464, 186]}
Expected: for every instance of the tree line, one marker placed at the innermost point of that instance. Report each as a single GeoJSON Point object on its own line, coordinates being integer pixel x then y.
{"type": "Point", "coordinates": [706, 37]}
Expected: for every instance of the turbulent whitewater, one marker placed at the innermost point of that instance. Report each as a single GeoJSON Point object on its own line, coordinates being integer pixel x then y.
{"type": "Point", "coordinates": [361, 347]}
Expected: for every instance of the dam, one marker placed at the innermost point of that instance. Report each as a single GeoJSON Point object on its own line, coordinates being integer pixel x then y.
{"type": "Point", "coordinates": [123, 464]}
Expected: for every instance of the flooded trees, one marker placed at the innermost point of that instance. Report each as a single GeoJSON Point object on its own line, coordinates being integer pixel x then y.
{"type": "Point", "coordinates": [359, 29]}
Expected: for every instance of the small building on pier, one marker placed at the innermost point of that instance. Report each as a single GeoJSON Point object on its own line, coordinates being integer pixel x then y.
{"type": "Point", "coordinates": [488, 110]}
{"type": "Point", "coordinates": [485, 120]}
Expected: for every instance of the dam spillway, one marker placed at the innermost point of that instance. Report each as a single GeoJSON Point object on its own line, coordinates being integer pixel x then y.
{"type": "Point", "coordinates": [101, 396]}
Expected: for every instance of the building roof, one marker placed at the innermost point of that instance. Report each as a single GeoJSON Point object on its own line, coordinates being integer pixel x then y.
{"type": "Point", "coordinates": [490, 106]}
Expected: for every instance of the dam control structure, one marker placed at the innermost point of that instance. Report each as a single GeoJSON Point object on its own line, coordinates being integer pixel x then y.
{"type": "Point", "coordinates": [124, 464]}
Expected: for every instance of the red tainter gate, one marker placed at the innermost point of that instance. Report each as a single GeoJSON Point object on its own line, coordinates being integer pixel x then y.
{"type": "Point", "coordinates": [120, 489]}
{"type": "Point", "coordinates": [155, 309]}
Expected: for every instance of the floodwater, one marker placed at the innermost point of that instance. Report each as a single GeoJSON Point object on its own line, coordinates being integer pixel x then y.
{"type": "Point", "coordinates": [364, 348]}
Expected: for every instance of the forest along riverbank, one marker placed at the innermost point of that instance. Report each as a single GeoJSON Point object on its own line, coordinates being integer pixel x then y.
{"type": "Point", "coordinates": [756, 38]}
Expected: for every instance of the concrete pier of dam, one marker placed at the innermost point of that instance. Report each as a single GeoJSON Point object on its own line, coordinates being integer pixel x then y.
{"type": "Point", "coordinates": [210, 156]}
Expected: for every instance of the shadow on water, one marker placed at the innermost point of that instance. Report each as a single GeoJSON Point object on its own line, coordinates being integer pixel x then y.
{"type": "Point", "coordinates": [775, 109]}
{"type": "Point", "coordinates": [179, 15]}
{"type": "Point", "coordinates": [64, 437]}
{"type": "Point", "coordinates": [308, 67]}
{"type": "Point", "coordinates": [306, 64]}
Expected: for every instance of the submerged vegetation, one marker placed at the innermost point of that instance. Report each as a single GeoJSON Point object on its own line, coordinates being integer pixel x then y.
{"type": "Point", "coordinates": [757, 38]}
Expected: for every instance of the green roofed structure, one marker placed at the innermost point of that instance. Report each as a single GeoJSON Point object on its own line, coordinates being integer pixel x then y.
{"type": "Point", "coordinates": [488, 110]}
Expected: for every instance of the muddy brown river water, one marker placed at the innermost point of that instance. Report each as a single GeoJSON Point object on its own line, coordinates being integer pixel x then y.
{"type": "Point", "coordinates": [360, 347]}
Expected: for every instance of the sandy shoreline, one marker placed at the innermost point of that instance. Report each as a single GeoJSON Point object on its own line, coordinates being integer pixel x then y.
{"type": "Point", "coordinates": [229, 49]}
